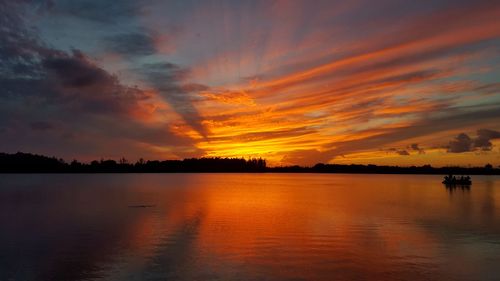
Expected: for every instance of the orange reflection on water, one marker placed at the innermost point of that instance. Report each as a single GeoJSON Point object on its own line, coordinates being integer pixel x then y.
{"type": "Point", "coordinates": [310, 226]}
{"type": "Point", "coordinates": [289, 222]}
{"type": "Point", "coordinates": [252, 227]}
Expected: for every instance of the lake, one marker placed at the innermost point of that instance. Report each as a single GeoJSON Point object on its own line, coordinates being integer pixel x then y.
{"type": "Point", "coordinates": [247, 227]}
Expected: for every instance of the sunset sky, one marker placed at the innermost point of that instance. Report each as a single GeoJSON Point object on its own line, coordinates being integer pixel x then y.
{"type": "Point", "coordinates": [295, 82]}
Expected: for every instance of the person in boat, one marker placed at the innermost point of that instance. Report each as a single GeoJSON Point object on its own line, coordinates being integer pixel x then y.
{"type": "Point", "coordinates": [448, 178]}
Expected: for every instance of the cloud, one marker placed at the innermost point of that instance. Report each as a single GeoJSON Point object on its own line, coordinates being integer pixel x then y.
{"type": "Point", "coordinates": [403, 152]}
{"type": "Point", "coordinates": [19, 48]}
{"type": "Point", "coordinates": [229, 97]}
{"type": "Point", "coordinates": [484, 137]}
{"type": "Point", "coordinates": [104, 12]}
{"type": "Point", "coordinates": [464, 143]}
{"type": "Point", "coordinates": [75, 71]}
{"type": "Point", "coordinates": [85, 109]}
{"type": "Point", "coordinates": [131, 44]}
{"type": "Point", "coordinates": [169, 80]}
{"type": "Point", "coordinates": [373, 93]}
{"type": "Point", "coordinates": [74, 80]}
{"type": "Point", "coordinates": [461, 143]}
{"type": "Point", "coordinates": [399, 81]}
{"type": "Point", "coordinates": [416, 147]}
{"type": "Point", "coordinates": [383, 137]}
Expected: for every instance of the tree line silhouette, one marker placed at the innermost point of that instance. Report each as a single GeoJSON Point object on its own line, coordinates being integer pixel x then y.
{"type": "Point", "coordinates": [32, 163]}
{"type": "Point", "coordinates": [375, 169]}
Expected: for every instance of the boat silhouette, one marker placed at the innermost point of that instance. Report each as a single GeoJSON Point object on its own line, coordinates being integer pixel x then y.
{"type": "Point", "coordinates": [452, 180]}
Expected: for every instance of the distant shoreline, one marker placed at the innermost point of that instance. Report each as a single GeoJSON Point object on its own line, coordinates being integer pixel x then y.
{"type": "Point", "coordinates": [26, 163]}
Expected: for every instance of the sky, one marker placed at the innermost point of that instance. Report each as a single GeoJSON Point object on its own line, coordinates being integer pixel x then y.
{"type": "Point", "coordinates": [294, 82]}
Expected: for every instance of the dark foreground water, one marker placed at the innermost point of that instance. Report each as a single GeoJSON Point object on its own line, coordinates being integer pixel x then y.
{"type": "Point", "coordinates": [247, 227]}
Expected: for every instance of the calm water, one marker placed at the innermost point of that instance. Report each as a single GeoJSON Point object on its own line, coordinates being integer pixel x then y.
{"type": "Point", "coordinates": [247, 227]}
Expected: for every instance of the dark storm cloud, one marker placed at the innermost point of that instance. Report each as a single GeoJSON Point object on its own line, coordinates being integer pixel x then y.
{"type": "Point", "coordinates": [132, 44]}
{"type": "Point", "coordinates": [29, 68]}
{"type": "Point", "coordinates": [72, 80]}
{"type": "Point", "coordinates": [42, 86]}
{"type": "Point", "coordinates": [74, 71]}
